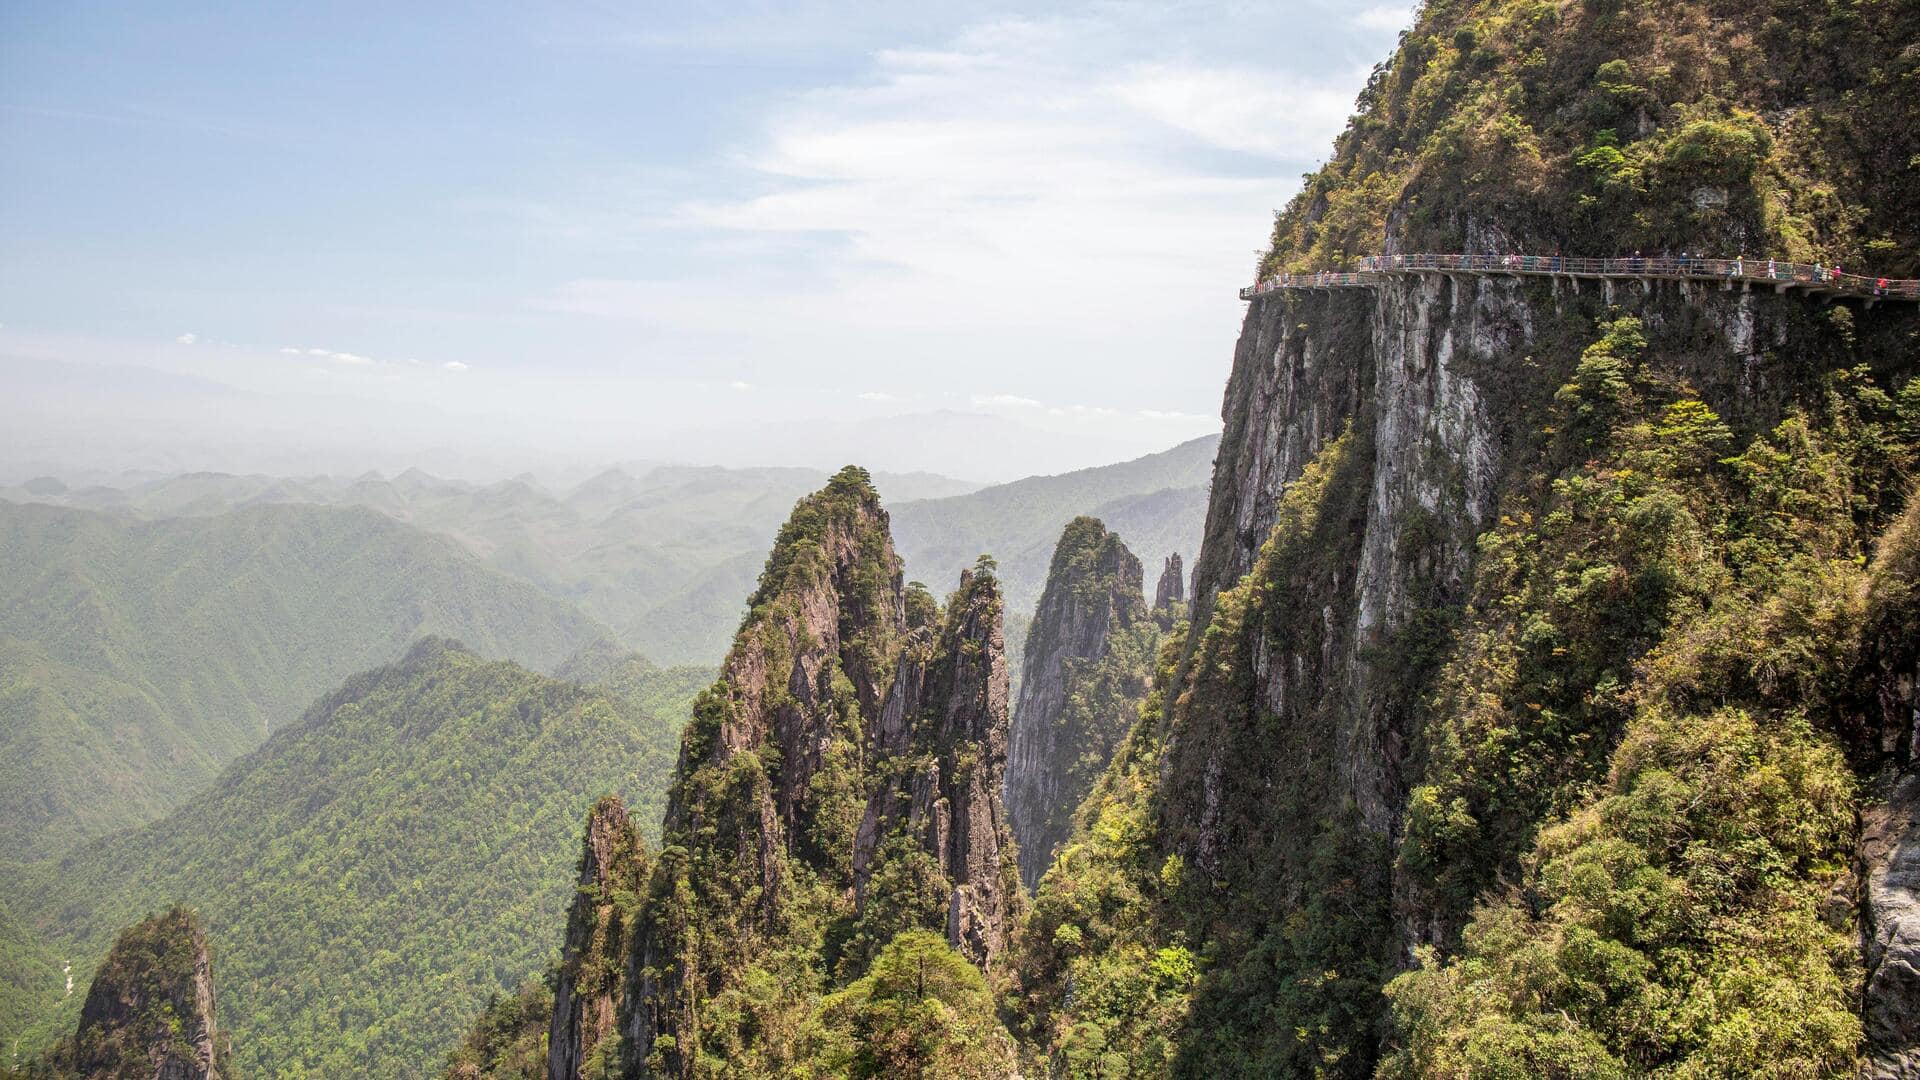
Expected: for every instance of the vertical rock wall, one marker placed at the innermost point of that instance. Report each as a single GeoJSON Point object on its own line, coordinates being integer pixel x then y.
{"type": "Point", "coordinates": [588, 991]}
{"type": "Point", "coordinates": [150, 1010]}
{"type": "Point", "coordinates": [1061, 745]}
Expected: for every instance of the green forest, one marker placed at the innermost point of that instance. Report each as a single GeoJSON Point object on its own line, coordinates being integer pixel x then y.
{"type": "Point", "coordinates": [376, 871]}
{"type": "Point", "coordinates": [139, 658]}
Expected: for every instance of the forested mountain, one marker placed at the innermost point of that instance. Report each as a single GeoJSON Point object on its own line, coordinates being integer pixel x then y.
{"type": "Point", "coordinates": [660, 553]}
{"type": "Point", "coordinates": [1548, 636]}
{"type": "Point", "coordinates": [138, 657]}
{"type": "Point", "coordinates": [376, 870]}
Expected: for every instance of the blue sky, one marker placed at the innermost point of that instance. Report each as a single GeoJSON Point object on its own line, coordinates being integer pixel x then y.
{"type": "Point", "coordinates": [603, 226]}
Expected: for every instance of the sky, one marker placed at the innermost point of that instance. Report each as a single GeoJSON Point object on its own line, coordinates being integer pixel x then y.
{"type": "Point", "coordinates": [257, 235]}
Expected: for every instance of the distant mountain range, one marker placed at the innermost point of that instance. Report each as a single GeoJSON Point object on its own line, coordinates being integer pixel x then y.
{"type": "Point", "coordinates": [663, 554]}
{"type": "Point", "coordinates": [138, 657]}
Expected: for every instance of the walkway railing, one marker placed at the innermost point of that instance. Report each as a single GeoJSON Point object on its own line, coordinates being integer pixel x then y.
{"type": "Point", "coordinates": [1743, 272]}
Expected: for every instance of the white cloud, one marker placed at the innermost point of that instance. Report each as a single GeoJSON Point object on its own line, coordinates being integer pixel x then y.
{"type": "Point", "coordinates": [1246, 110]}
{"type": "Point", "coordinates": [738, 385]}
{"type": "Point", "coordinates": [1385, 17]}
{"type": "Point", "coordinates": [451, 365]}
{"type": "Point", "coordinates": [291, 351]}
{"type": "Point", "coordinates": [187, 339]}
{"type": "Point", "coordinates": [884, 398]}
{"type": "Point", "coordinates": [349, 358]}
{"type": "Point", "coordinates": [319, 352]}
{"type": "Point", "coordinates": [1039, 205]}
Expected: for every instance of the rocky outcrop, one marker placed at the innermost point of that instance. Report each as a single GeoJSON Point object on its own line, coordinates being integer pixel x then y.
{"type": "Point", "coordinates": [150, 1010]}
{"type": "Point", "coordinates": [588, 988]}
{"type": "Point", "coordinates": [770, 766]}
{"type": "Point", "coordinates": [1076, 702]}
{"type": "Point", "coordinates": [1890, 855]}
{"type": "Point", "coordinates": [943, 732]}
{"type": "Point", "coordinates": [1890, 825]}
{"type": "Point", "coordinates": [1172, 587]}
{"type": "Point", "coordinates": [853, 719]}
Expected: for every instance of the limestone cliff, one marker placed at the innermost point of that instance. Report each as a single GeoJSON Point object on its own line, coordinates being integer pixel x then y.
{"type": "Point", "coordinates": [150, 1012]}
{"type": "Point", "coordinates": [1890, 860]}
{"type": "Point", "coordinates": [1086, 669]}
{"type": "Point", "coordinates": [588, 986]}
{"type": "Point", "coordinates": [1494, 567]}
{"type": "Point", "coordinates": [838, 785]}
{"type": "Point", "coordinates": [941, 752]}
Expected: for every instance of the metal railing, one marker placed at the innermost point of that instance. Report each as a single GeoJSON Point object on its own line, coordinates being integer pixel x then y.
{"type": "Point", "coordinates": [1746, 272]}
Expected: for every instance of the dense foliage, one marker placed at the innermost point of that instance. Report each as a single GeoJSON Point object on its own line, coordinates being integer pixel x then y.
{"type": "Point", "coordinates": [1664, 657]}
{"type": "Point", "coordinates": [137, 658]}
{"type": "Point", "coordinates": [509, 1040]}
{"type": "Point", "coordinates": [1598, 127]}
{"type": "Point", "coordinates": [376, 871]}
{"type": "Point", "coordinates": [921, 1012]}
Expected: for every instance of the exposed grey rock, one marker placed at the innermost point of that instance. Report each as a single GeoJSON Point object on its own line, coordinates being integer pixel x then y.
{"type": "Point", "coordinates": [945, 721]}
{"type": "Point", "coordinates": [150, 1010]}
{"type": "Point", "coordinates": [589, 987]}
{"type": "Point", "coordinates": [1058, 752]}
{"type": "Point", "coordinates": [1172, 587]}
{"type": "Point", "coordinates": [1890, 857]}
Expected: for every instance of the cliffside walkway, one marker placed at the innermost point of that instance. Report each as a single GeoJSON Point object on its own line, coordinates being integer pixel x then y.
{"type": "Point", "coordinates": [1730, 273]}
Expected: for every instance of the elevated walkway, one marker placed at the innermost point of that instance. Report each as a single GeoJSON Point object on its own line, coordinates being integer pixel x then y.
{"type": "Point", "coordinates": [1740, 273]}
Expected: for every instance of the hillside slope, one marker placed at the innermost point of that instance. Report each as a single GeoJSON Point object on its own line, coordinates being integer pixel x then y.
{"type": "Point", "coordinates": [374, 871]}
{"type": "Point", "coordinates": [137, 658]}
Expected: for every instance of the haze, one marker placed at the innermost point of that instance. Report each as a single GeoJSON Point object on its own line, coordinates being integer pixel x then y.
{"type": "Point", "coordinates": [955, 240]}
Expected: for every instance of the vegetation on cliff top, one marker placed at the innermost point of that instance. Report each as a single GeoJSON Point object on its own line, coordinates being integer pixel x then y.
{"type": "Point", "coordinates": [1599, 127]}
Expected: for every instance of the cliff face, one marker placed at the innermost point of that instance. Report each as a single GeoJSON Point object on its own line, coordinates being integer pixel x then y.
{"type": "Point", "coordinates": [1890, 860]}
{"type": "Point", "coordinates": [1086, 670]}
{"type": "Point", "coordinates": [150, 1010]}
{"type": "Point", "coordinates": [941, 746]}
{"type": "Point", "coordinates": [1503, 578]}
{"type": "Point", "coordinates": [589, 987]}
{"type": "Point", "coordinates": [838, 785]}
